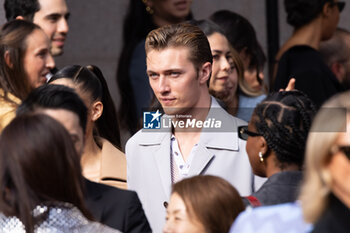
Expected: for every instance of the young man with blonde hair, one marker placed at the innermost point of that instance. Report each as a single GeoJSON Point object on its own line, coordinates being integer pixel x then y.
{"type": "Point", "coordinates": [196, 136]}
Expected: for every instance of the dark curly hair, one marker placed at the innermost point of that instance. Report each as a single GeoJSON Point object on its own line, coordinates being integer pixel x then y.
{"type": "Point", "coordinates": [25, 8]}
{"type": "Point", "coordinates": [284, 120]}
{"type": "Point", "coordinates": [301, 12]}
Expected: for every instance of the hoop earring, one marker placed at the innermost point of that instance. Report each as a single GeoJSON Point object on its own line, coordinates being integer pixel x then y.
{"type": "Point", "coordinates": [261, 157]}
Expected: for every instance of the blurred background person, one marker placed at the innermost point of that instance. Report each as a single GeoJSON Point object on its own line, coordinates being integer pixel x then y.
{"type": "Point", "coordinates": [336, 54]}
{"type": "Point", "coordinates": [202, 204]}
{"type": "Point", "coordinates": [242, 37]}
{"type": "Point", "coordinates": [102, 161]}
{"type": "Point", "coordinates": [50, 15]}
{"type": "Point", "coordinates": [325, 196]}
{"type": "Point", "coordinates": [276, 137]}
{"type": "Point", "coordinates": [227, 67]}
{"type": "Point", "coordinates": [142, 17]}
{"type": "Point", "coordinates": [25, 60]}
{"type": "Point", "coordinates": [313, 21]}
{"type": "Point", "coordinates": [34, 175]}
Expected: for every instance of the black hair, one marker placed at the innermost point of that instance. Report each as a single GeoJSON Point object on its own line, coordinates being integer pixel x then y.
{"type": "Point", "coordinates": [90, 79]}
{"type": "Point", "coordinates": [137, 24]}
{"type": "Point", "coordinates": [54, 97]}
{"type": "Point", "coordinates": [242, 36]}
{"type": "Point", "coordinates": [25, 8]}
{"type": "Point", "coordinates": [302, 12]}
{"type": "Point", "coordinates": [284, 120]}
{"type": "Point", "coordinates": [208, 27]}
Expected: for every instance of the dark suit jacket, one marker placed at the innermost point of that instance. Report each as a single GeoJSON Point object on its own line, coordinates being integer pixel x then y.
{"type": "Point", "coordinates": [117, 208]}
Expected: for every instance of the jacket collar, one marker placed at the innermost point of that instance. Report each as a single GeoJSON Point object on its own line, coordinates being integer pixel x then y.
{"type": "Point", "coordinates": [224, 138]}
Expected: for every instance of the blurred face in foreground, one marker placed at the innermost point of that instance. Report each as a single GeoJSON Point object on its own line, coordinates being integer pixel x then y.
{"type": "Point", "coordinates": [178, 219]}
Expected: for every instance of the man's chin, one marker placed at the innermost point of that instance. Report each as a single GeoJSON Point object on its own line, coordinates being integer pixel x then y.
{"type": "Point", "coordinates": [56, 51]}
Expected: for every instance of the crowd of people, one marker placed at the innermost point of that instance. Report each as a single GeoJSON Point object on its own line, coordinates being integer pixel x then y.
{"type": "Point", "coordinates": [212, 149]}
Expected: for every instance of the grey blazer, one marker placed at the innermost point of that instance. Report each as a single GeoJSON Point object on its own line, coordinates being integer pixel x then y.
{"type": "Point", "coordinates": [219, 153]}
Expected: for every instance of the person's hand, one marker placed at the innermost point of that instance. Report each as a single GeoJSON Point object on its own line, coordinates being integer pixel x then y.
{"type": "Point", "coordinates": [290, 86]}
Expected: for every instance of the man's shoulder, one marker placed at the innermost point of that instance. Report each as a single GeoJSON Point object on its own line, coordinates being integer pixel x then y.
{"type": "Point", "coordinates": [144, 137]}
{"type": "Point", "coordinates": [217, 110]}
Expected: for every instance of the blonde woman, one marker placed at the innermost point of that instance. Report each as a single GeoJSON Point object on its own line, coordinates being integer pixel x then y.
{"type": "Point", "coordinates": [325, 194]}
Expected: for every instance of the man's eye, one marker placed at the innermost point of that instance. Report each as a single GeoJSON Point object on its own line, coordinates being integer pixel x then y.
{"type": "Point", "coordinates": [53, 18]}
{"type": "Point", "coordinates": [175, 74]}
{"type": "Point", "coordinates": [152, 76]}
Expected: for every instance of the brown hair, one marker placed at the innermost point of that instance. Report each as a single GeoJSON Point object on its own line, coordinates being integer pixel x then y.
{"type": "Point", "coordinates": [212, 200]}
{"type": "Point", "coordinates": [181, 35]}
{"type": "Point", "coordinates": [37, 172]}
{"type": "Point", "coordinates": [13, 78]}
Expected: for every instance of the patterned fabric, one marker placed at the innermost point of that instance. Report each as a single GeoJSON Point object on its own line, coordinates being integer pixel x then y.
{"type": "Point", "coordinates": [180, 167]}
{"type": "Point", "coordinates": [62, 218]}
{"type": "Point", "coordinates": [286, 218]}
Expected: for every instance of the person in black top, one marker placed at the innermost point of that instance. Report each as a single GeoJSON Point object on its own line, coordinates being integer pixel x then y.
{"type": "Point", "coordinates": [117, 208]}
{"type": "Point", "coordinates": [313, 21]}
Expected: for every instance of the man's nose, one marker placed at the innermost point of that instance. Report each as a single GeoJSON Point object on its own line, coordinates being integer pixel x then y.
{"type": "Point", "coordinates": [163, 84]}
{"type": "Point", "coordinates": [62, 26]}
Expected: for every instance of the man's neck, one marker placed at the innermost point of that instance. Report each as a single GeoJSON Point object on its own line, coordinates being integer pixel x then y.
{"type": "Point", "coordinates": [198, 113]}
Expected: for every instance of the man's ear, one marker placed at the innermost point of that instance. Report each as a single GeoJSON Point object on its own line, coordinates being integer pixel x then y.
{"type": "Point", "coordinates": [338, 70]}
{"type": "Point", "coordinates": [96, 110]}
{"type": "Point", "coordinates": [204, 73]}
{"type": "Point", "coordinates": [8, 59]}
{"type": "Point", "coordinates": [20, 17]}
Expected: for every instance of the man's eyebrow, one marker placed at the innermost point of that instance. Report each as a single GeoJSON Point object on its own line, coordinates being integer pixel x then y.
{"type": "Point", "coordinates": [53, 15]}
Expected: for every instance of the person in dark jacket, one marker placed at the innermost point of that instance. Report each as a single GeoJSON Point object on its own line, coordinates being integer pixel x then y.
{"type": "Point", "coordinates": [276, 137]}
{"type": "Point", "coordinates": [117, 208]}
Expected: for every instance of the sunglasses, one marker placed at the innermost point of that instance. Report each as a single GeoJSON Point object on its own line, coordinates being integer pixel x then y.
{"type": "Point", "coordinates": [344, 149]}
{"type": "Point", "coordinates": [244, 133]}
{"type": "Point", "coordinates": [340, 5]}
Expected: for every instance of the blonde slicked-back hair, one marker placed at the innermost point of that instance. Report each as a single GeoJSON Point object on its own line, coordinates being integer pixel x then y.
{"type": "Point", "coordinates": [181, 35]}
{"type": "Point", "coordinates": [316, 187]}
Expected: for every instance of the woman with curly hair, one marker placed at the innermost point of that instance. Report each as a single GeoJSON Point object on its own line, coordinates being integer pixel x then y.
{"type": "Point", "coordinates": [276, 137]}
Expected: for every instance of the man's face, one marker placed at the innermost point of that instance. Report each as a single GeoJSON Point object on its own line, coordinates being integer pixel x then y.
{"type": "Point", "coordinates": [52, 18]}
{"type": "Point", "coordinates": [174, 79]}
{"type": "Point", "coordinates": [70, 121]}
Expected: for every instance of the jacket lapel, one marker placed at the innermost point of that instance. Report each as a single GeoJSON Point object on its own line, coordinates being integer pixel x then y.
{"type": "Point", "coordinates": [162, 158]}
{"type": "Point", "coordinates": [202, 159]}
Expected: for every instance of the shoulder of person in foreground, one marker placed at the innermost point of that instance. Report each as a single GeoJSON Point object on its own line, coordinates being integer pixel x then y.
{"type": "Point", "coordinates": [285, 218]}
{"type": "Point", "coordinates": [117, 208]}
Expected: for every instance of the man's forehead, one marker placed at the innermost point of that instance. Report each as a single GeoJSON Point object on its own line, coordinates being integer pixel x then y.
{"type": "Point", "coordinates": [48, 7]}
{"type": "Point", "coordinates": [168, 58]}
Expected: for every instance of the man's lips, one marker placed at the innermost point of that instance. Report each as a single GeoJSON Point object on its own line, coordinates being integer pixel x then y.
{"type": "Point", "coordinates": [59, 41]}
{"type": "Point", "coordinates": [166, 100]}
